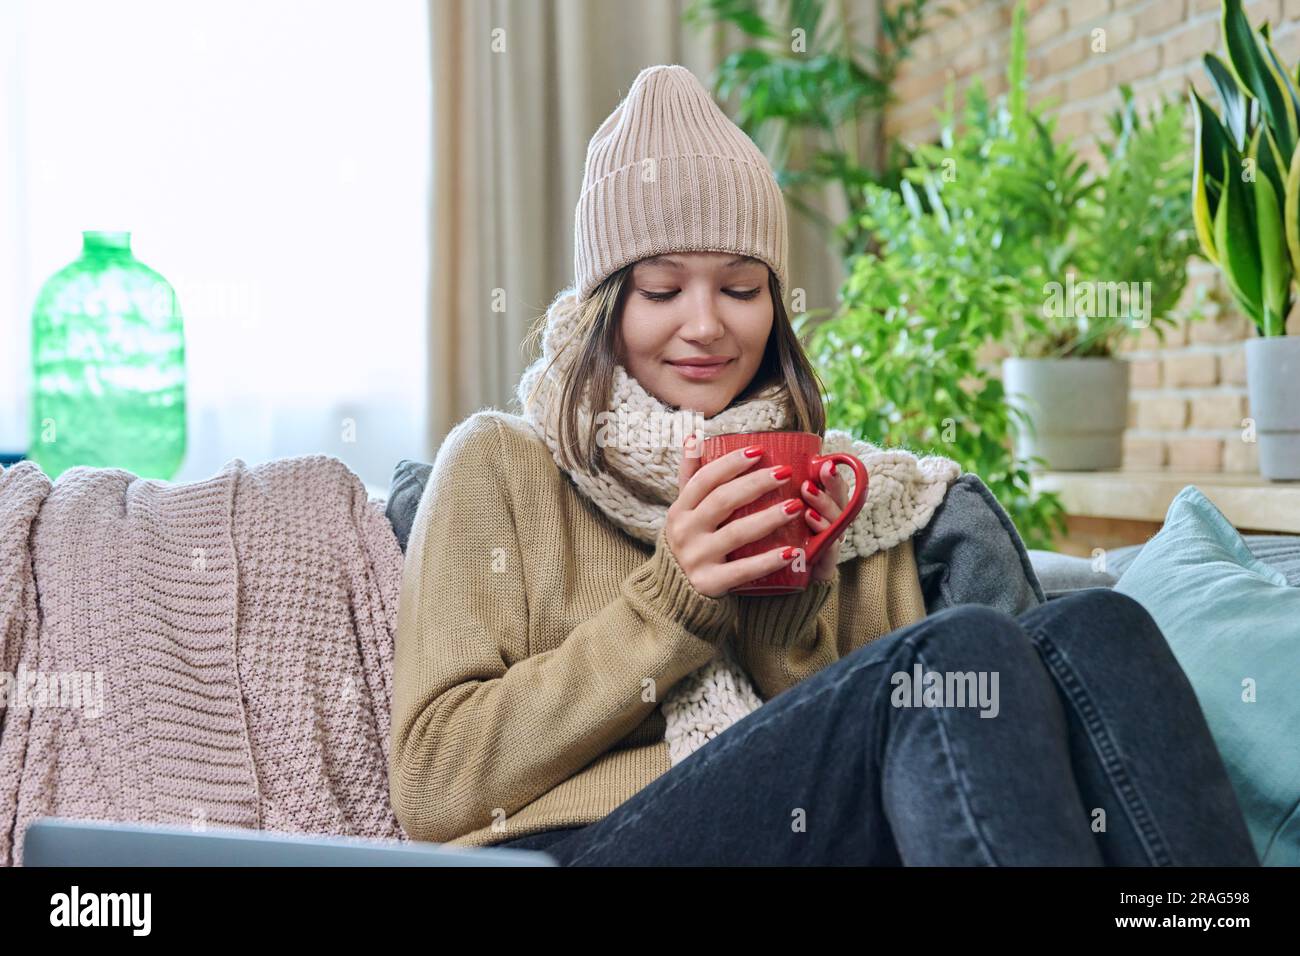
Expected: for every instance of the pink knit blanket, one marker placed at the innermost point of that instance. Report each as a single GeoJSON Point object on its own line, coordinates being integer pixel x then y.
{"type": "Point", "coordinates": [214, 653]}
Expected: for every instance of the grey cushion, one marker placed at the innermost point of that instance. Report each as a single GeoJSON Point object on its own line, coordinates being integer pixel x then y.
{"type": "Point", "coordinates": [1062, 573]}
{"type": "Point", "coordinates": [971, 553]}
{"type": "Point", "coordinates": [409, 478]}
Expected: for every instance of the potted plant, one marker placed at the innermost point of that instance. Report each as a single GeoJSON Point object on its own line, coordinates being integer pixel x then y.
{"type": "Point", "coordinates": [989, 239]}
{"type": "Point", "coordinates": [1095, 256]}
{"type": "Point", "coordinates": [1245, 202]}
{"type": "Point", "coordinates": [1111, 261]}
{"type": "Point", "coordinates": [902, 355]}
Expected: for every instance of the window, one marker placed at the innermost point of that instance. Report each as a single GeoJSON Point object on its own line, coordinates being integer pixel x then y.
{"type": "Point", "coordinates": [270, 159]}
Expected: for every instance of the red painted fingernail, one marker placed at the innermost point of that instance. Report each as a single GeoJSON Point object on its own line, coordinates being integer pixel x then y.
{"type": "Point", "coordinates": [753, 451]}
{"type": "Point", "coordinates": [792, 506]}
{"type": "Point", "coordinates": [782, 472]}
{"type": "Point", "coordinates": [814, 515]}
{"type": "Point", "coordinates": [789, 553]}
{"type": "Point", "coordinates": [809, 487]}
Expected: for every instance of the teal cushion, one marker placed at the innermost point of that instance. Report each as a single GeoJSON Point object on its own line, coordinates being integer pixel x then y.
{"type": "Point", "coordinates": [1234, 625]}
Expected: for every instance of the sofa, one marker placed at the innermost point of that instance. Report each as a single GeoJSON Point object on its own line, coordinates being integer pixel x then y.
{"type": "Point", "coordinates": [314, 506]}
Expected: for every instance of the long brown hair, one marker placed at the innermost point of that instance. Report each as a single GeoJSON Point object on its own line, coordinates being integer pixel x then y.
{"type": "Point", "coordinates": [592, 371]}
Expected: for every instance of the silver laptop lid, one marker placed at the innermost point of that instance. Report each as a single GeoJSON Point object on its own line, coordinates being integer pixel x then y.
{"type": "Point", "coordinates": [57, 841]}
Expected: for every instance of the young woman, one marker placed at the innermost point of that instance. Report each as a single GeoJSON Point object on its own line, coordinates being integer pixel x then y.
{"type": "Point", "coordinates": [573, 671]}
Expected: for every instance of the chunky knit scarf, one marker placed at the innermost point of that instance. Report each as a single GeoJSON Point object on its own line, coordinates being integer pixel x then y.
{"type": "Point", "coordinates": [902, 495]}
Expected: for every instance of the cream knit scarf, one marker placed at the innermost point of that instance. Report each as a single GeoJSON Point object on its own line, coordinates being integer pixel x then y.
{"type": "Point", "coordinates": [902, 495]}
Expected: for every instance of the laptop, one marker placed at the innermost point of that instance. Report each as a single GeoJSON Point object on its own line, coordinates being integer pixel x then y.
{"type": "Point", "coordinates": [58, 841]}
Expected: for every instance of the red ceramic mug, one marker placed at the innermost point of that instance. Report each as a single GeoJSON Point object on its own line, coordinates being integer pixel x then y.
{"type": "Point", "coordinates": [802, 452]}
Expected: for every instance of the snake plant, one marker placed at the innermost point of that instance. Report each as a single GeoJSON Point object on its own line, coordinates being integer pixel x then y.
{"type": "Point", "coordinates": [1246, 180]}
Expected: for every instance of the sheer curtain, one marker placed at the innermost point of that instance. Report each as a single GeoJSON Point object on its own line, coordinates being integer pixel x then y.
{"type": "Point", "coordinates": [271, 159]}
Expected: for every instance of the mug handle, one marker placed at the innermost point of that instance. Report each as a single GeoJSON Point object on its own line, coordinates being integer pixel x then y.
{"type": "Point", "coordinates": [857, 498]}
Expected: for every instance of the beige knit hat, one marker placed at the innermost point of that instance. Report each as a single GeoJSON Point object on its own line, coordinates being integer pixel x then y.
{"type": "Point", "coordinates": [669, 172]}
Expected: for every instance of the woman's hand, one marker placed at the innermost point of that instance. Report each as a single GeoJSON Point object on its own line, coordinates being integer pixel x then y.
{"type": "Point", "coordinates": [706, 497]}
{"type": "Point", "coordinates": [826, 501]}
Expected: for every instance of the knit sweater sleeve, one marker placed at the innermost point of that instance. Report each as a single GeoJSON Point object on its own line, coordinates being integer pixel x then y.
{"type": "Point", "coordinates": [784, 638]}
{"type": "Point", "coordinates": [481, 727]}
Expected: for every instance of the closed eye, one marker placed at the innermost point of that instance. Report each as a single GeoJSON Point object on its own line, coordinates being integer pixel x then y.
{"type": "Point", "coordinates": [742, 294]}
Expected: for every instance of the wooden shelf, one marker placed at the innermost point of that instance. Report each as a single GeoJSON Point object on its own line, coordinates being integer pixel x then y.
{"type": "Point", "coordinates": [1250, 502]}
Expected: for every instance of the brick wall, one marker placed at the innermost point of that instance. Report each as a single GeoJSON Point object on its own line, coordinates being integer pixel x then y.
{"type": "Point", "coordinates": [1188, 395]}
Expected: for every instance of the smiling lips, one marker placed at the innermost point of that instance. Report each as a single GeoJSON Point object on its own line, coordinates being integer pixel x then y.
{"type": "Point", "coordinates": [701, 367]}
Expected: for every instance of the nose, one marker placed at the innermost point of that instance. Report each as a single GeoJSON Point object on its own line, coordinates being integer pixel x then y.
{"type": "Point", "coordinates": [704, 324]}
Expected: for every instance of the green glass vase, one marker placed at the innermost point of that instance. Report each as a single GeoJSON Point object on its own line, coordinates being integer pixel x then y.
{"type": "Point", "coordinates": [108, 365]}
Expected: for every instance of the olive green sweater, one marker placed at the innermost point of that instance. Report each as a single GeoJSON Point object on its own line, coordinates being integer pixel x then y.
{"type": "Point", "coordinates": [535, 639]}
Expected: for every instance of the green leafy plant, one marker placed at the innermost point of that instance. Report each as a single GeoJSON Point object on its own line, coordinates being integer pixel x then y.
{"type": "Point", "coordinates": [806, 87]}
{"type": "Point", "coordinates": [1138, 230]}
{"type": "Point", "coordinates": [901, 358]}
{"type": "Point", "coordinates": [1095, 256]}
{"type": "Point", "coordinates": [1246, 186]}
{"type": "Point", "coordinates": [983, 223]}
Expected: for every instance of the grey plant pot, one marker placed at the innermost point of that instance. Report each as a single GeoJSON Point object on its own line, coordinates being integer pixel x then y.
{"type": "Point", "coordinates": [1079, 409]}
{"type": "Point", "coordinates": [1273, 384]}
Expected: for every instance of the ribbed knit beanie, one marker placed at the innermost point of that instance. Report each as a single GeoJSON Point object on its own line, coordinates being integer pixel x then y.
{"type": "Point", "coordinates": [669, 172]}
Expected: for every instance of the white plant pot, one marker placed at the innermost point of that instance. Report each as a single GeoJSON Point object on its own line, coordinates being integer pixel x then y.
{"type": "Point", "coordinates": [1273, 384]}
{"type": "Point", "coordinates": [1078, 406]}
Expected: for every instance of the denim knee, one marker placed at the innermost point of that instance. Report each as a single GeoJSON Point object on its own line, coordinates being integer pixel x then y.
{"type": "Point", "coordinates": [1100, 613]}
{"type": "Point", "coordinates": [973, 632]}
{"type": "Point", "coordinates": [1103, 600]}
{"type": "Point", "coordinates": [964, 637]}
